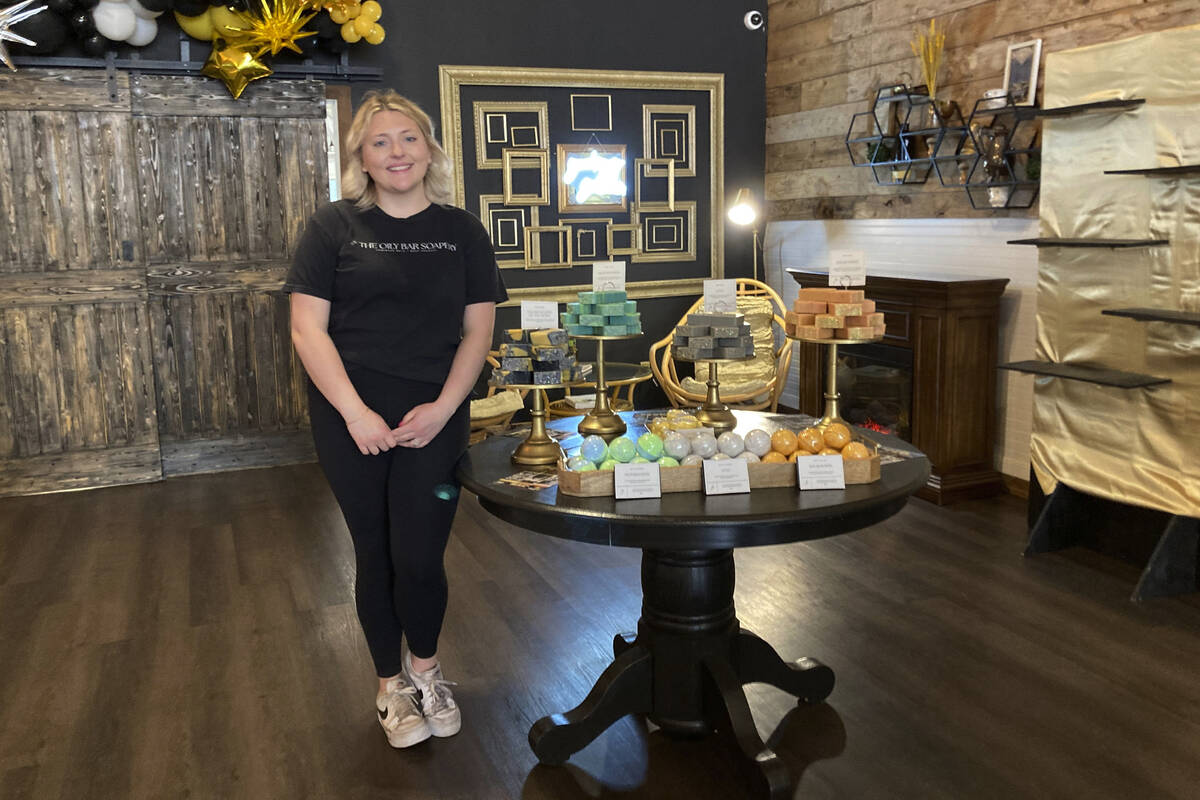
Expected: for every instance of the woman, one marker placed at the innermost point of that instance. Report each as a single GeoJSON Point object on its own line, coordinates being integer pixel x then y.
{"type": "Point", "coordinates": [393, 302]}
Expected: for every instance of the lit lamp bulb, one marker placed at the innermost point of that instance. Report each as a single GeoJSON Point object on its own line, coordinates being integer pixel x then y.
{"type": "Point", "coordinates": [742, 211]}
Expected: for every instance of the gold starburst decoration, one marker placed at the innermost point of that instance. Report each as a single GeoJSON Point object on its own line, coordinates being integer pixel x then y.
{"type": "Point", "coordinates": [9, 17]}
{"type": "Point", "coordinates": [278, 28]}
{"type": "Point", "coordinates": [234, 66]}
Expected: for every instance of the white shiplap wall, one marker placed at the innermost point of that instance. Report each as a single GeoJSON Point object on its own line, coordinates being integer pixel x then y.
{"type": "Point", "coordinates": [942, 248]}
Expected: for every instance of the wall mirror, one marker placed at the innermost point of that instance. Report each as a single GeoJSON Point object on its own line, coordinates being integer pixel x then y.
{"type": "Point", "coordinates": [592, 178]}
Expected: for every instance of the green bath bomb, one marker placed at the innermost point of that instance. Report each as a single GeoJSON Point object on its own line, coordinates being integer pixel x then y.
{"type": "Point", "coordinates": [608, 464]}
{"type": "Point", "coordinates": [622, 449]}
{"type": "Point", "coordinates": [650, 446]}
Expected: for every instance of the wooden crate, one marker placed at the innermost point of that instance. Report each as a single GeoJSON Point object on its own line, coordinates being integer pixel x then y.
{"type": "Point", "coordinates": [691, 479]}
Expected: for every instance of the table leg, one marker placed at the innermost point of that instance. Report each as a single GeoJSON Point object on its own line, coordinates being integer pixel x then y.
{"type": "Point", "coordinates": [685, 668]}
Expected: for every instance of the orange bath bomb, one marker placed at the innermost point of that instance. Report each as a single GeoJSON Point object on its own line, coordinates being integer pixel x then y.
{"type": "Point", "coordinates": [798, 454]}
{"type": "Point", "coordinates": [854, 451]}
{"type": "Point", "coordinates": [811, 440]}
{"type": "Point", "coordinates": [774, 457]}
{"type": "Point", "coordinates": [828, 451]}
{"type": "Point", "coordinates": [837, 436]}
{"type": "Point", "coordinates": [783, 441]}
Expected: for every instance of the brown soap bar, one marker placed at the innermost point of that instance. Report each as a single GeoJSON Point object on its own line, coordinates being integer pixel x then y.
{"type": "Point", "coordinates": [855, 334]}
{"type": "Point", "coordinates": [813, 332]}
{"type": "Point", "coordinates": [865, 320]}
{"type": "Point", "coordinates": [868, 306]}
{"type": "Point", "coordinates": [803, 306]}
{"type": "Point", "coordinates": [845, 309]}
{"type": "Point", "coordinates": [829, 321]}
{"type": "Point", "coordinates": [832, 295]}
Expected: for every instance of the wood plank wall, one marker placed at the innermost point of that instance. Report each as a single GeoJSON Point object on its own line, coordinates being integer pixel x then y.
{"type": "Point", "coordinates": [146, 224]}
{"type": "Point", "coordinates": [825, 58]}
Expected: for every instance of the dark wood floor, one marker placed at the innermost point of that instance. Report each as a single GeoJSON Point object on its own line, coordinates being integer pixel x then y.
{"type": "Point", "coordinates": [196, 638]}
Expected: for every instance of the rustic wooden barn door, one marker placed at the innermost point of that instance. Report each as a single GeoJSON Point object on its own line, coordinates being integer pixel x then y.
{"type": "Point", "coordinates": [146, 224]}
{"type": "Point", "coordinates": [77, 402]}
{"type": "Point", "coordinates": [226, 189]}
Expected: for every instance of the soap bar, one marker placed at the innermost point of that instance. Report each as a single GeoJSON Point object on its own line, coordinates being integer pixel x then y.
{"type": "Point", "coordinates": [611, 296]}
{"type": "Point", "coordinates": [518, 335]}
{"type": "Point", "coordinates": [511, 363]}
{"type": "Point", "coordinates": [706, 342]}
{"type": "Point", "coordinates": [587, 297]}
{"type": "Point", "coordinates": [547, 377]}
{"type": "Point", "coordinates": [614, 330]}
{"type": "Point", "coordinates": [854, 334]}
{"type": "Point", "coordinates": [829, 321]}
{"type": "Point", "coordinates": [548, 352]}
{"type": "Point", "coordinates": [548, 336]}
{"type": "Point", "coordinates": [689, 329]}
{"type": "Point", "coordinates": [611, 309]}
{"type": "Point", "coordinates": [514, 350]}
{"type": "Point", "coordinates": [715, 319]}
{"type": "Point", "coordinates": [567, 318]}
{"type": "Point", "coordinates": [813, 332]}
{"type": "Point", "coordinates": [730, 352]}
{"type": "Point", "coordinates": [725, 331]}
{"type": "Point", "coordinates": [846, 309]}
{"type": "Point", "coordinates": [809, 307]}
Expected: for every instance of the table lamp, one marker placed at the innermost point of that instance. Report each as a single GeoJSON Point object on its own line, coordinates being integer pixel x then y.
{"type": "Point", "coordinates": [743, 212]}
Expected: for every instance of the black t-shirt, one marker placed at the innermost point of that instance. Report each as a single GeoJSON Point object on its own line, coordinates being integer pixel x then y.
{"type": "Point", "coordinates": [397, 287]}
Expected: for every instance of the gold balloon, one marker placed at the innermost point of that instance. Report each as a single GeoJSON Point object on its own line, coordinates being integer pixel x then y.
{"type": "Point", "coordinates": [371, 10]}
{"type": "Point", "coordinates": [234, 67]}
{"type": "Point", "coordinates": [277, 28]}
{"type": "Point", "coordinates": [226, 21]}
{"type": "Point", "coordinates": [198, 27]}
{"type": "Point", "coordinates": [375, 35]}
{"type": "Point", "coordinates": [349, 34]}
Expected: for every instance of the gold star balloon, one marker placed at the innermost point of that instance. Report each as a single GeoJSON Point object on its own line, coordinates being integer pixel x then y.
{"type": "Point", "coordinates": [278, 28]}
{"type": "Point", "coordinates": [234, 66]}
{"type": "Point", "coordinates": [11, 16]}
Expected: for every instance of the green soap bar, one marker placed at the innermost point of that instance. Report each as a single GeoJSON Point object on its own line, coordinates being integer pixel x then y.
{"type": "Point", "coordinates": [579, 330]}
{"type": "Point", "coordinates": [613, 330]}
{"type": "Point", "coordinates": [587, 308]}
{"type": "Point", "coordinates": [572, 308]}
{"type": "Point", "coordinates": [610, 297]}
{"type": "Point", "coordinates": [587, 297]}
{"type": "Point", "coordinates": [615, 319]}
{"type": "Point", "coordinates": [568, 319]}
{"type": "Point", "coordinates": [635, 328]}
{"type": "Point", "coordinates": [630, 306]}
{"type": "Point", "coordinates": [591, 319]}
{"type": "Point", "coordinates": [610, 309]}
{"type": "Point", "coordinates": [631, 319]}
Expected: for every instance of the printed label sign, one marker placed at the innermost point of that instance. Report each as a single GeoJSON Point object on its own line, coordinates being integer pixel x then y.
{"type": "Point", "coordinates": [608, 276]}
{"type": "Point", "coordinates": [727, 476]}
{"type": "Point", "coordinates": [847, 268]}
{"type": "Point", "coordinates": [631, 481]}
{"type": "Point", "coordinates": [820, 472]}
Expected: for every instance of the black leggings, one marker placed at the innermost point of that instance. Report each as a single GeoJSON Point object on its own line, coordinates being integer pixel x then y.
{"type": "Point", "coordinates": [399, 506]}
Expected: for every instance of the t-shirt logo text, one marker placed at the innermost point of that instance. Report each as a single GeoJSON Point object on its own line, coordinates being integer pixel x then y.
{"type": "Point", "coordinates": [406, 247]}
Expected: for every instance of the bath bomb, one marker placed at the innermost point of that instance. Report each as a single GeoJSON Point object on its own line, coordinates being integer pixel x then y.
{"type": "Point", "coordinates": [691, 459]}
{"type": "Point", "coordinates": [650, 446]}
{"type": "Point", "coordinates": [730, 443]}
{"type": "Point", "coordinates": [704, 446]}
{"type": "Point", "coordinates": [667, 461]}
{"type": "Point", "coordinates": [594, 449]}
{"type": "Point", "coordinates": [639, 460]}
{"type": "Point", "coordinates": [758, 442]}
{"type": "Point", "coordinates": [579, 464]}
{"type": "Point", "coordinates": [746, 455]}
{"type": "Point", "coordinates": [622, 449]}
{"type": "Point", "coordinates": [676, 445]}
{"type": "Point", "coordinates": [609, 464]}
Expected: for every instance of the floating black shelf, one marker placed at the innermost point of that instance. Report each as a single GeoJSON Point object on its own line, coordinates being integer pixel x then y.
{"type": "Point", "coordinates": [1083, 108]}
{"type": "Point", "coordinates": [1165, 172]}
{"type": "Point", "coordinates": [1049, 242]}
{"type": "Point", "coordinates": [1155, 315]}
{"type": "Point", "coordinates": [1104, 377]}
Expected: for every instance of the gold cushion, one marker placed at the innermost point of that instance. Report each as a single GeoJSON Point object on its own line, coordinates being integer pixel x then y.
{"type": "Point", "coordinates": [505, 402]}
{"type": "Point", "coordinates": [743, 377]}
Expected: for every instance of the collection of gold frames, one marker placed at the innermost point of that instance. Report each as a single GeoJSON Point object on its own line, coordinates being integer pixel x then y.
{"type": "Point", "coordinates": [454, 79]}
{"type": "Point", "coordinates": [489, 115]}
{"type": "Point", "coordinates": [591, 253]}
{"type": "Point", "coordinates": [567, 199]}
{"type": "Point", "coordinates": [635, 239]}
{"type": "Point", "coordinates": [653, 245]}
{"type": "Point", "coordinates": [492, 217]}
{"type": "Point", "coordinates": [526, 159]}
{"type": "Point", "coordinates": [654, 138]}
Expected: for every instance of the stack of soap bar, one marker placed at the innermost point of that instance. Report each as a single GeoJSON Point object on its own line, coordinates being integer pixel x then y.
{"type": "Point", "coordinates": [705, 335]}
{"type": "Point", "coordinates": [542, 357]}
{"type": "Point", "coordinates": [834, 314]}
{"type": "Point", "coordinates": [602, 314]}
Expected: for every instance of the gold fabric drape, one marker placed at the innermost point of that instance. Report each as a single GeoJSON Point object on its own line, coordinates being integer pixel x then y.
{"type": "Point", "coordinates": [1137, 446]}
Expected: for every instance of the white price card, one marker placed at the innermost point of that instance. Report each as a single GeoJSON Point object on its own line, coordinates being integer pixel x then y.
{"type": "Point", "coordinates": [847, 268]}
{"type": "Point", "coordinates": [820, 472]}
{"type": "Point", "coordinates": [637, 480]}
{"type": "Point", "coordinates": [539, 314]}
{"type": "Point", "coordinates": [608, 276]}
{"type": "Point", "coordinates": [726, 476]}
{"type": "Point", "coordinates": [720, 296]}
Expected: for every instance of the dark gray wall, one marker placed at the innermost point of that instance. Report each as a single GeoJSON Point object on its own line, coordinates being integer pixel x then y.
{"type": "Point", "coordinates": [673, 35]}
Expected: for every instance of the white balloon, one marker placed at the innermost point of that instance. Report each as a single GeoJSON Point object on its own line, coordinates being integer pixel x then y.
{"type": "Point", "coordinates": [144, 33]}
{"type": "Point", "coordinates": [114, 21]}
{"type": "Point", "coordinates": [142, 12]}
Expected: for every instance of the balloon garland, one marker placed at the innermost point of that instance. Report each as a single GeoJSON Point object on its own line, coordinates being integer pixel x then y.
{"type": "Point", "coordinates": [242, 32]}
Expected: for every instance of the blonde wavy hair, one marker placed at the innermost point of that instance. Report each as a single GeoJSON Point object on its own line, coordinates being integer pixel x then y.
{"type": "Point", "coordinates": [357, 184]}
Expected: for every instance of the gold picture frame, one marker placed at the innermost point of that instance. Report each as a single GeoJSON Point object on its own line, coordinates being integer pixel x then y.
{"type": "Point", "coordinates": [655, 140]}
{"type": "Point", "coordinates": [588, 177]}
{"type": "Point", "coordinates": [704, 92]}
{"type": "Point", "coordinates": [641, 168]}
{"type": "Point", "coordinates": [580, 227]}
{"type": "Point", "coordinates": [486, 113]}
{"type": "Point", "coordinates": [685, 213]}
{"type": "Point", "coordinates": [635, 239]}
{"type": "Point", "coordinates": [492, 211]}
{"type": "Point", "coordinates": [509, 163]}
{"type": "Point", "coordinates": [533, 246]}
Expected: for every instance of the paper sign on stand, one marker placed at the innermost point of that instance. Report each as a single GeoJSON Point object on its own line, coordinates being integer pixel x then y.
{"type": "Point", "coordinates": [847, 268]}
{"type": "Point", "coordinates": [720, 296]}
{"type": "Point", "coordinates": [631, 481]}
{"type": "Point", "coordinates": [608, 276]}
{"type": "Point", "coordinates": [726, 476]}
{"type": "Point", "coordinates": [821, 472]}
{"type": "Point", "coordinates": [539, 314]}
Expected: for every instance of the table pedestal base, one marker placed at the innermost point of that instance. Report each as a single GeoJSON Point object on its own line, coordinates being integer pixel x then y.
{"type": "Point", "coordinates": [685, 669]}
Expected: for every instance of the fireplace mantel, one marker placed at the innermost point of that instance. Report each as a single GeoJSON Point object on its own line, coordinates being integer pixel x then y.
{"type": "Point", "coordinates": [952, 328]}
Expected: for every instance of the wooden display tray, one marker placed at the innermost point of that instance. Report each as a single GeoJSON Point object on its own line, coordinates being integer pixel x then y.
{"type": "Point", "coordinates": [691, 479]}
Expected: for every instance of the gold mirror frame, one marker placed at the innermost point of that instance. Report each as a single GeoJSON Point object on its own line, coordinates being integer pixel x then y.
{"type": "Point", "coordinates": [565, 204]}
{"type": "Point", "coordinates": [453, 78]}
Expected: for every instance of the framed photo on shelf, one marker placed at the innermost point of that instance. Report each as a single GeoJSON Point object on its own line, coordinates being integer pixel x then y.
{"type": "Point", "coordinates": [1021, 71]}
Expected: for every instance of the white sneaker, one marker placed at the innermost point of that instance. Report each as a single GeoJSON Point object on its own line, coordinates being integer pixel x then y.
{"type": "Point", "coordinates": [437, 703]}
{"type": "Point", "coordinates": [400, 713]}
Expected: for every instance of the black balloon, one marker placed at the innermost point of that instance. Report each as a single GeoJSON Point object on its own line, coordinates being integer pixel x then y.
{"type": "Point", "coordinates": [64, 7]}
{"type": "Point", "coordinates": [49, 31]}
{"type": "Point", "coordinates": [156, 5]}
{"type": "Point", "coordinates": [191, 8]}
{"type": "Point", "coordinates": [96, 45]}
{"type": "Point", "coordinates": [83, 24]}
{"type": "Point", "coordinates": [238, 5]}
{"type": "Point", "coordinates": [87, 3]}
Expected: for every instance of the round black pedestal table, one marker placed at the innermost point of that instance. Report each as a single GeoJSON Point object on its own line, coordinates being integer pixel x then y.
{"type": "Point", "coordinates": [686, 665]}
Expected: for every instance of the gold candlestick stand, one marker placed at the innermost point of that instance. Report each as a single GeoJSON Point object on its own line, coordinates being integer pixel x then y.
{"type": "Point", "coordinates": [602, 421]}
{"type": "Point", "coordinates": [832, 414]}
{"type": "Point", "coordinates": [713, 413]}
{"type": "Point", "coordinates": [538, 448]}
